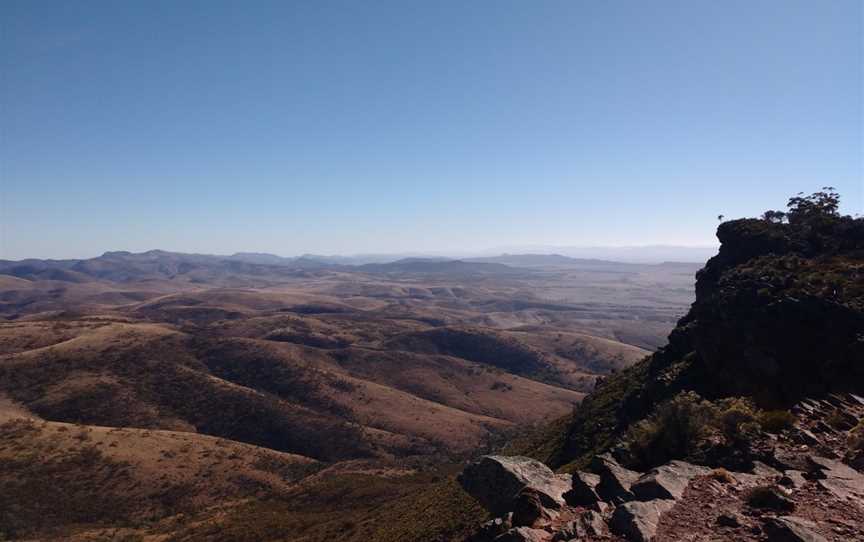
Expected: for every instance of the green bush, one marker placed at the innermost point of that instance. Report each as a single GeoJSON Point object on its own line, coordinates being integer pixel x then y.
{"type": "Point", "coordinates": [687, 425]}
{"type": "Point", "coordinates": [674, 430]}
{"type": "Point", "coordinates": [776, 421]}
{"type": "Point", "coordinates": [737, 419]}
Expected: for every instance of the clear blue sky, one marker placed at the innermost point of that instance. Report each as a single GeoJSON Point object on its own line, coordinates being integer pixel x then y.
{"type": "Point", "coordinates": [350, 127]}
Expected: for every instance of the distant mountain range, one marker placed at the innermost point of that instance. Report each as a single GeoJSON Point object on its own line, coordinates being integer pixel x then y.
{"type": "Point", "coordinates": [632, 254]}
{"type": "Point", "coordinates": [121, 266]}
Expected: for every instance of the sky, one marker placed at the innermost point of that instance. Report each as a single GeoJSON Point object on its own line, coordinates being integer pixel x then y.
{"type": "Point", "coordinates": [405, 126]}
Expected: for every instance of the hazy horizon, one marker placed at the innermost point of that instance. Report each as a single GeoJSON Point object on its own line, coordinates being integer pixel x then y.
{"type": "Point", "coordinates": [391, 127]}
{"type": "Point", "coordinates": [624, 254]}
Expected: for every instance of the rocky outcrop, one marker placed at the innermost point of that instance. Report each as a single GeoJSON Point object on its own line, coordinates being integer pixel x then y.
{"type": "Point", "coordinates": [676, 500]}
{"type": "Point", "coordinates": [533, 502]}
{"type": "Point", "coordinates": [841, 480]}
{"type": "Point", "coordinates": [771, 351]}
{"type": "Point", "coordinates": [778, 317]}
{"type": "Point", "coordinates": [496, 481]}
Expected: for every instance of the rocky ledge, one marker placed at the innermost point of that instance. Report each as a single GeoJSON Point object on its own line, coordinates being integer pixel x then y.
{"type": "Point", "coordinates": [809, 493]}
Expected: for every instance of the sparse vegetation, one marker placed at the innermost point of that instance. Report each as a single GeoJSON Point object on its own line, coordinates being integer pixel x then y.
{"type": "Point", "coordinates": [352, 507]}
{"type": "Point", "coordinates": [687, 426]}
{"type": "Point", "coordinates": [737, 419]}
{"type": "Point", "coordinates": [776, 421]}
{"type": "Point", "coordinates": [840, 421]}
{"type": "Point", "coordinates": [395, 377]}
{"type": "Point", "coordinates": [856, 438]}
{"type": "Point", "coordinates": [500, 386]}
{"type": "Point", "coordinates": [676, 429]}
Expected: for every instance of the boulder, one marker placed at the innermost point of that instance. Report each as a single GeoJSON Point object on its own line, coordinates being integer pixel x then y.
{"type": "Point", "coordinates": [615, 480]}
{"type": "Point", "coordinates": [667, 481]}
{"type": "Point", "coordinates": [584, 490]}
{"type": "Point", "coordinates": [524, 534]}
{"type": "Point", "coordinates": [637, 520]}
{"type": "Point", "coordinates": [588, 524]}
{"type": "Point", "coordinates": [496, 480]}
{"type": "Point", "coordinates": [792, 529]}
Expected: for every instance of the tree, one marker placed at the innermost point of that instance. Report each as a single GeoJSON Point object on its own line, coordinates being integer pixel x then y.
{"type": "Point", "coordinates": [775, 217]}
{"type": "Point", "coordinates": [816, 207]}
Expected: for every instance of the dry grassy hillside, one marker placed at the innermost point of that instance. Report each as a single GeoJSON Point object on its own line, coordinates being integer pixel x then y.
{"type": "Point", "coordinates": [162, 400]}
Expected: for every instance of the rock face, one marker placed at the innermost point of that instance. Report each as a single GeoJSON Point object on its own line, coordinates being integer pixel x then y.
{"type": "Point", "coordinates": [637, 520]}
{"type": "Point", "coordinates": [495, 481]}
{"type": "Point", "coordinates": [667, 481]}
{"type": "Point", "coordinates": [768, 323]}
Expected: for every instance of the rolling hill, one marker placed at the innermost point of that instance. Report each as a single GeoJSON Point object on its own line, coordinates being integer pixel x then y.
{"type": "Point", "coordinates": [196, 395]}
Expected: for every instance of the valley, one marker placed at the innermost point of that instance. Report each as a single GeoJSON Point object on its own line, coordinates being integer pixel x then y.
{"type": "Point", "coordinates": [200, 384]}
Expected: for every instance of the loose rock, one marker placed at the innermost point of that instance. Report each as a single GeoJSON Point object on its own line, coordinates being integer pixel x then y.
{"type": "Point", "coordinates": [637, 520]}
{"type": "Point", "coordinates": [615, 480]}
{"type": "Point", "coordinates": [496, 480]}
{"type": "Point", "coordinates": [589, 523]}
{"type": "Point", "coordinates": [792, 529]}
{"type": "Point", "coordinates": [584, 490]}
{"type": "Point", "coordinates": [666, 482]}
{"type": "Point", "coordinates": [524, 534]}
{"type": "Point", "coordinates": [840, 479]}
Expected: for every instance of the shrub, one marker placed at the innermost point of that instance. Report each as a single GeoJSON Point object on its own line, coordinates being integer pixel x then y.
{"type": "Point", "coordinates": [675, 429]}
{"type": "Point", "coordinates": [722, 475]}
{"type": "Point", "coordinates": [838, 420]}
{"type": "Point", "coordinates": [737, 419]}
{"type": "Point", "coordinates": [856, 438]}
{"type": "Point", "coordinates": [688, 426]}
{"type": "Point", "coordinates": [776, 421]}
